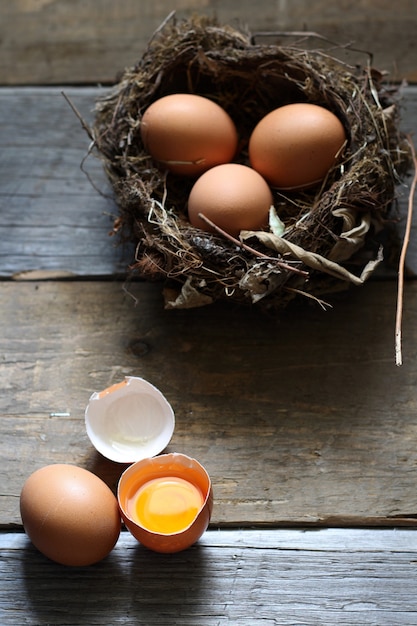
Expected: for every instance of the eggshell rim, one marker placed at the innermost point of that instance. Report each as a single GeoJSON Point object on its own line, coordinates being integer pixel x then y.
{"type": "Point", "coordinates": [165, 459]}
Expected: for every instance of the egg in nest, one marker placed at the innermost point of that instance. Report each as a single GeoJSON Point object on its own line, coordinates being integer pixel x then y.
{"type": "Point", "coordinates": [232, 196]}
{"type": "Point", "coordinates": [187, 133]}
{"type": "Point", "coordinates": [295, 146]}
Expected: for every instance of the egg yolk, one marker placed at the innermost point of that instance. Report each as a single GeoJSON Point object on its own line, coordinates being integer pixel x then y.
{"type": "Point", "coordinates": [167, 505]}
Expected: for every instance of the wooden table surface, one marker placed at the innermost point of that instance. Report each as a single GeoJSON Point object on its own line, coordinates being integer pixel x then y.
{"type": "Point", "coordinates": [305, 424]}
{"type": "Point", "coordinates": [302, 421]}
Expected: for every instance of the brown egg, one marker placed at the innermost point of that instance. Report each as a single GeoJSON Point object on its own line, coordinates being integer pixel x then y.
{"type": "Point", "coordinates": [70, 514]}
{"type": "Point", "coordinates": [295, 146]}
{"type": "Point", "coordinates": [232, 196]}
{"type": "Point", "coordinates": [187, 134]}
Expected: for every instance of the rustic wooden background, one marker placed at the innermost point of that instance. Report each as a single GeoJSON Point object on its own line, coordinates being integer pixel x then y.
{"type": "Point", "coordinates": [305, 397]}
{"type": "Point", "coordinates": [303, 421]}
{"type": "Point", "coordinates": [89, 41]}
{"type": "Point", "coordinates": [230, 578]}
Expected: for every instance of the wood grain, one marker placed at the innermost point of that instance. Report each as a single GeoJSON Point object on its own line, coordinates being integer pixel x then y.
{"type": "Point", "coordinates": [91, 41]}
{"type": "Point", "coordinates": [55, 217]}
{"type": "Point", "coordinates": [299, 420]}
{"type": "Point", "coordinates": [303, 578]}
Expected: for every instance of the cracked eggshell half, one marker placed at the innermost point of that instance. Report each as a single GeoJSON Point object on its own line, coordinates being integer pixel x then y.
{"type": "Point", "coordinates": [129, 421]}
{"type": "Point", "coordinates": [166, 519]}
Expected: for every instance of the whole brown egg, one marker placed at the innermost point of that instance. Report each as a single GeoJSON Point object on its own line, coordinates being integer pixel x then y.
{"type": "Point", "coordinates": [188, 133]}
{"type": "Point", "coordinates": [295, 146]}
{"type": "Point", "coordinates": [70, 514]}
{"type": "Point", "coordinates": [233, 196]}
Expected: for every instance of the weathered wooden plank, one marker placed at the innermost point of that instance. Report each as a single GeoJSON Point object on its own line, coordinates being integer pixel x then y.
{"type": "Point", "coordinates": [248, 578]}
{"type": "Point", "coordinates": [90, 41]}
{"type": "Point", "coordinates": [52, 218]}
{"type": "Point", "coordinates": [303, 419]}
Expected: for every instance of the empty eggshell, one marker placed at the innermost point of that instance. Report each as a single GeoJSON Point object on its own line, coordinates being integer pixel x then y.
{"type": "Point", "coordinates": [70, 514]}
{"type": "Point", "coordinates": [129, 421]}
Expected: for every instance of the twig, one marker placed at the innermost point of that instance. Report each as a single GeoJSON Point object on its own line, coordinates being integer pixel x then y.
{"type": "Point", "coordinates": [245, 246]}
{"type": "Point", "coordinates": [78, 114]}
{"type": "Point", "coordinates": [305, 294]}
{"type": "Point", "coordinates": [162, 26]}
{"type": "Point", "coordinates": [90, 149]}
{"type": "Point", "coordinates": [398, 352]}
{"type": "Point", "coordinates": [311, 35]}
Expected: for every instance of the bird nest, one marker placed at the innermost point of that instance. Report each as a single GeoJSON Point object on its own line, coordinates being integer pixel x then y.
{"type": "Point", "coordinates": [319, 240]}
